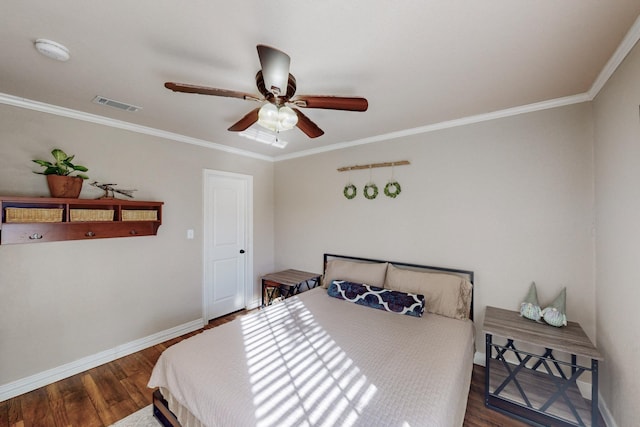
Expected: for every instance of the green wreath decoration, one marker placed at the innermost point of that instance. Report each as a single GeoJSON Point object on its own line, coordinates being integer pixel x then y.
{"type": "Point", "coordinates": [396, 189]}
{"type": "Point", "coordinates": [350, 191]}
{"type": "Point", "coordinates": [374, 188]}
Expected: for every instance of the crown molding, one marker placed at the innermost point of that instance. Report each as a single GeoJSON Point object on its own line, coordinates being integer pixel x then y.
{"type": "Point", "coordinates": [508, 112]}
{"type": "Point", "coordinates": [93, 118]}
{"type": "Point", "coordinates": [629, 41]}
{"type": "Point", "coordinates": [120, 124]}
{"type": "Point", "coordinates": [105, 121]}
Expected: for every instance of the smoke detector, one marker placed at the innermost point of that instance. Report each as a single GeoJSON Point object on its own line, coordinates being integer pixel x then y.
{"type": "Point", "coordinates": [52, 49]}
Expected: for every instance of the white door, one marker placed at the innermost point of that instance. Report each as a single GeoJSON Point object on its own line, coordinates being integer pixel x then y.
{"type": "Point", "coordinates": [226, 240]}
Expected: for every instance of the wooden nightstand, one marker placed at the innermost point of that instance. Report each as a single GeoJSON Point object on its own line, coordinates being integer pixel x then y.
{"type": "Point", "coordinates": [287, 283]}
{"type": "Point", "coordinates": [539, 388]}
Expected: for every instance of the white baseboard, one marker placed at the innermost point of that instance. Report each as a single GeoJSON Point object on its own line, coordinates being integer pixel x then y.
{"type": "Point", "coordinates": [254, 304]}
{"type": "Point", "coordinates": [41, 379]}
{"type": "Point", "coordinates": [605, 412]}
{"type": "Point", "coordinates": [479, 359]}
{"type": "Point", "coordinates": [584, 387]}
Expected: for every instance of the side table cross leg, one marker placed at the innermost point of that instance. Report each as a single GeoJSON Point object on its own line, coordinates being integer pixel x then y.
{"type": "Point", "coordinates": [512, 377]}
{"type": "Point", "coordinates": [535, 386]}
{"type": "Point", "coordinates": [563, 386]}
{"type": "Point", "coordinates": [548, 354]}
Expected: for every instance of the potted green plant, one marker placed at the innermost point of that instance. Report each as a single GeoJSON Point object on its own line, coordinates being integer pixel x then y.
{"type": "Point", "coordinates": [59, 175]}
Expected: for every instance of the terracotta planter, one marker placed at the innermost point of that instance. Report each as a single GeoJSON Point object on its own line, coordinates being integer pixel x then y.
{"type": "Point", "coordinates": [64, 186]}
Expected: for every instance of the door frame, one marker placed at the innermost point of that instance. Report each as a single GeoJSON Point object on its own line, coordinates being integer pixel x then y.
{"type": "Point", "coordinates": [248, 266]}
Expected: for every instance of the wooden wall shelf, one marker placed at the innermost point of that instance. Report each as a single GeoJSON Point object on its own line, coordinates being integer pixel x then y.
{"type": "Point", "coordinates": [111, 219]}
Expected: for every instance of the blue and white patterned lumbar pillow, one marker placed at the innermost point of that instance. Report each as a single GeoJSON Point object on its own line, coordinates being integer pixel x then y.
{"type": "Point", "coordinates": [380, 298]}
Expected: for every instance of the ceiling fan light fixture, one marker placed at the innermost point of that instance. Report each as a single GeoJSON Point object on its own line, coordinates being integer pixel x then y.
{"type": "Point", "coordinates": [268, 116]}
{"type": "Point", "coordinates": [277, 119]}
{"type": "Point", "coordinates": [287, 118]}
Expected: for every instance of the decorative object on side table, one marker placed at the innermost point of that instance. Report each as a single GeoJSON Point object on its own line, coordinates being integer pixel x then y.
{"type": "Point", "coordinates": [110, 188]}
{"type": "Point", "coordinates": [555, 313]}
{"type": "Point", "coordinates": [61, 182]}
{"type": "Point", "coordinates": [530, 308]}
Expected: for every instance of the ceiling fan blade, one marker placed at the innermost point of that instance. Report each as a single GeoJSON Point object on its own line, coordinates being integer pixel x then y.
{"type": "Point", "coordinates": [275, 69]}
{"type": "Point", "coordinates": [244, 123]}
{"type": "Point", "coordinates": [332, 102]}
{"type": "Point", "coordinates": [203, 90]}
{"type": "Point", "coordinates": [307, 126]}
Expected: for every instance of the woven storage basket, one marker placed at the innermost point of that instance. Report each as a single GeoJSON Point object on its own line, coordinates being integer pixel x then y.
{"type": "Point", "coordinates": [139, 215]}
{"type": "Point", "coordinates": [80, 215]}
{"type": "Point", "coordinates": [33, 215]}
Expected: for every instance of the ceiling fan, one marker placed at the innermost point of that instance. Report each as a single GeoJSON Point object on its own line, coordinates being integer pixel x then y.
{"type": "Point", "coordinates": [277, 87]}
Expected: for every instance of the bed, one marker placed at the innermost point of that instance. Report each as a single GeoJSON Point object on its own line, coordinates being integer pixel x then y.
{"type": "Point", "coordinates": [358, 351]}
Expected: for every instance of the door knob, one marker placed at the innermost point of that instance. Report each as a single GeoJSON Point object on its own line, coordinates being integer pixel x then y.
{"type": "Point", "coordinates": [241, 251]}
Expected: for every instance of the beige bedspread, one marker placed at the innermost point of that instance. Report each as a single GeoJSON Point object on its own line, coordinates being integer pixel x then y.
{"type": "Point", "coordinates": [320, 361]}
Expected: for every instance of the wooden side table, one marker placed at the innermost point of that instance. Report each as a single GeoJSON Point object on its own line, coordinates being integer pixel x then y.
{"type": "Point", "coordinates": [287, 283]}
{"type": "Point", "coordinates": [538, 388]}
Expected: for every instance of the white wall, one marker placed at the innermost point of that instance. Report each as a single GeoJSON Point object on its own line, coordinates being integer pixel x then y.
{"type": "Point", "coordinates": [511, 199]}
{"type": "Point", "coordinates": [617, 177]}
{"type": "Point", "coordinates": [63, 301]}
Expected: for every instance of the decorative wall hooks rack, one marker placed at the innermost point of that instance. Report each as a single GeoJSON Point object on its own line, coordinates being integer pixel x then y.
{"type": "Point", "coordinates": [374, 165]}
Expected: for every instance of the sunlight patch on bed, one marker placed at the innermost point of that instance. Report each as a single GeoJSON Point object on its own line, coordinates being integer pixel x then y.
{"type": "Point", "coordinates": [298, 374]}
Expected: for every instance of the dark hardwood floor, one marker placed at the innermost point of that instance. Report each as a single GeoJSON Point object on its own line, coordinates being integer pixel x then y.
{"type": "Point", "coordinates": [103, 395]}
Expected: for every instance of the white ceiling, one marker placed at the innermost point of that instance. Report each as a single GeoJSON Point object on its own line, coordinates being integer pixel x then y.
{"type": "Point", "coordinates": [418, 62]}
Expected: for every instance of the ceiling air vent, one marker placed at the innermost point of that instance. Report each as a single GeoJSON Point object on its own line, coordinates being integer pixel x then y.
{"type": "Point", "coordinates": [115, 104]}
